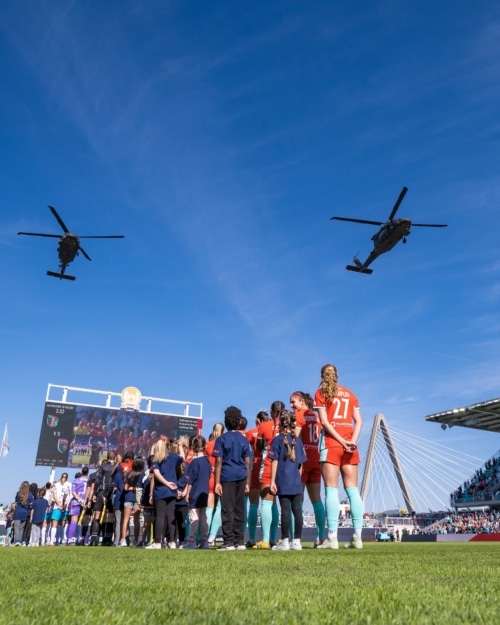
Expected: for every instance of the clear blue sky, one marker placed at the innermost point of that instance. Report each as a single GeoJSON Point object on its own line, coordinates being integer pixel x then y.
{"type": "Point", "coordinates": [220, 138]}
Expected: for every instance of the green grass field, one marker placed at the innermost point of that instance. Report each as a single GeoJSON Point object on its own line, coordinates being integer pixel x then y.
{"type": "Point", "coordinates": [385, 583]}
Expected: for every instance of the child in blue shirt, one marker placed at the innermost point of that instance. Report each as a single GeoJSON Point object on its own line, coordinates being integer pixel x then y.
{"type": "Point", "coordinates": [232, 479]}
{"type": "Point", "coordinates": [287, 455]}
{"type": "Point", "coordinates": [197, 476]}
{"type": "Point", "coordinates": [39, 508]}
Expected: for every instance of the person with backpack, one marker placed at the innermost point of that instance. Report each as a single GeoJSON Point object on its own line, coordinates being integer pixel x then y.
{"type": "Point", "coordinates": [102, 503]}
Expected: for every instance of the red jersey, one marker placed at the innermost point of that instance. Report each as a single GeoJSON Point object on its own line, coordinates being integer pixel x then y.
{"type": "Point", "coordinates": [310, 427]}
{"type": "Point", "coordinates": [340, 411]}
{"type": "Point", "coordinates": [252, 439]}
{"type": "Point", "coordinates": [208, 450]}
{"type": "Point", "coordinates": [266, 431]}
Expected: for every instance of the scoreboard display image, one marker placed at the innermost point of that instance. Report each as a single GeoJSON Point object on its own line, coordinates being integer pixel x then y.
{"type": "Point", "coordinates": [76, 435]}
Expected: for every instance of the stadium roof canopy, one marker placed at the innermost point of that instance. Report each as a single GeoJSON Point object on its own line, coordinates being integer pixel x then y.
{"type": "Point", "coordinates": [483, 416]}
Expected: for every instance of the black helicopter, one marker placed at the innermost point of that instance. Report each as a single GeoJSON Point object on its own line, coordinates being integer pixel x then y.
{"type": "Point", "coordinates": [69, 246]}
{"type": "Point", "coordinates": [392, 231]}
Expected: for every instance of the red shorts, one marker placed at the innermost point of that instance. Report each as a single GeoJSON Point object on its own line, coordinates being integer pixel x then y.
{"type": "Point", "coordinates": [254, 482]}
{"type": "Point", "coordinates": [265, 476]}
{"type": "Point", "coordinates": [338, 456]}
{"type": "Point", "coordinates": [311, 472]}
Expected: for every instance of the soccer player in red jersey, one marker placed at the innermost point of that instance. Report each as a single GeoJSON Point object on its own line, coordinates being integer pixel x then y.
{"type": "Point", "coordinates": [340, 417]}
{"type": "Point", "coordinates": [269, 511]}
{"type": "Point", "coordinates": [254, 494]}
{"type": "Point", "coordinates": [308, 427]}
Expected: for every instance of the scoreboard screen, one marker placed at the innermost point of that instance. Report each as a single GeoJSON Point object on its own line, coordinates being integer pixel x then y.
{"type": "Point", "coordinates": [76, 435]}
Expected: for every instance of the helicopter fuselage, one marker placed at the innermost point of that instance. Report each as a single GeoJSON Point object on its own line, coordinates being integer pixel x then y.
{"type": "Point", "coordinates": [383, 241]}
{"type": "Point", "coordinates": [386, 237]}
{"type": "Point", "coordinates": [68, 248]}
{"type": "Point", "coordinates": [389, 234]}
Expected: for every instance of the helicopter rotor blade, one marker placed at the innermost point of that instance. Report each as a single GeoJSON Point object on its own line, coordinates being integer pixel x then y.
{"type": "Point", "coordinates": [105, 236]}
{"type": "Point", "coordinates": [398, 202]}
{"type": "Point", "coordinates": [359, 221]}
{"type": "Point", "coordinates": [84, 252]}
{"type": "Point", "coordinates": [39, 234]}
{"type": "Point", "coordinates": [430, 225]}
{"type": "Point", "coordinates": [59, 220]}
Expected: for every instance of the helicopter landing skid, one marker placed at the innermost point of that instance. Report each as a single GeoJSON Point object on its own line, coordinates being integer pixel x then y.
{"type": "Point", "coordinates": [61, 276]}
{"type": "Point", "coordinates": [359, 269]}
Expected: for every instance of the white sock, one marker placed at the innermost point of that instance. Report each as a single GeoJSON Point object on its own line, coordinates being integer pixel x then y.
{"type": "Point", "coordinates": [332, 535]}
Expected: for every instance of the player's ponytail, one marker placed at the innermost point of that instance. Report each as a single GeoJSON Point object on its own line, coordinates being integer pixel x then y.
{"type": "Point", "coordinates": [287, 426]}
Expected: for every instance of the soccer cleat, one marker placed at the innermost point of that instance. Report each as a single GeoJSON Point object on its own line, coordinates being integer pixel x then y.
{"type": "Point", "coordinates": [249, 544]}
{"type": "Point", "coordinates": [281, 547]}
{"type": "Point", "coordinates": [329, 543]}
{"type": "Point", "coordinates": [154, 546]}
{"type": "Point", "coordinates": [317, 543]}
{"type": "Point", "coordinates": [261, 545]}
{"type": "Point", "coordinates": [226, 548]}
{"type": "Point", "coordinates": [355, 543]}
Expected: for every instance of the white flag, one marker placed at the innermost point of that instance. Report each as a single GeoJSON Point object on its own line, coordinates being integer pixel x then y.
{"type": "Point", "coordinates": [5, 443]}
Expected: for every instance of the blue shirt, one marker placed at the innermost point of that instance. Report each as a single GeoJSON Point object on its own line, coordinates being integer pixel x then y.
{"type": "Point", "coordinates": [22, 512]}
{"type": "Point", "coordinates": [168, 470]}
{"type": "Point", "coordinates": [39, 507]}
{"type": "Point", "coordinates": [288, 480]}
{"type": "Point", "coordinates": [118, 488]}
{"type": "Point", "coordinates": [233, 448]}
{"type": "Point", "coordinates": [198, 475]}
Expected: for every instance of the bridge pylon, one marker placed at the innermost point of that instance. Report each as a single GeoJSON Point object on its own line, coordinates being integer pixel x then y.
{"type": "Point", "coordinates": [380, 425]}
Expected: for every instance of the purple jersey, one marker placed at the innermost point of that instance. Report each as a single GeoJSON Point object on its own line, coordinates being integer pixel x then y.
{"type": "Point", "coordinates": [78, 488]}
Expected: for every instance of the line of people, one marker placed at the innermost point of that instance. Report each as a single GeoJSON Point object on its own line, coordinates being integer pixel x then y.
{"type": "Point", "coordinates": [187, 489]}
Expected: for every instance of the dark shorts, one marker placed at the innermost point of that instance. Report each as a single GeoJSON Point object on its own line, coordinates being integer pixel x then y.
{"type": "Point", "coordinates": [99, 503]}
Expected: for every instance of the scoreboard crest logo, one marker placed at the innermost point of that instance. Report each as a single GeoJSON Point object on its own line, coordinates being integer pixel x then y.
{"type": "Point", "coordinates": [131, 398]}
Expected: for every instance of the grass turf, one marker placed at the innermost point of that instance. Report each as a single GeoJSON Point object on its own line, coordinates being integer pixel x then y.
{"type": "Point", "coordinates": [385, 583]}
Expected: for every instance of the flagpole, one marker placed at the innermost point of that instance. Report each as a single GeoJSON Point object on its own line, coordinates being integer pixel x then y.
{"type": "Point", "coordinates": [4, 450]}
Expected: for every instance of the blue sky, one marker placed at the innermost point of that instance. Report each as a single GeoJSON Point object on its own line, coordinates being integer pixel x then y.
{"type": "Point", "coordinates": [220, 138]}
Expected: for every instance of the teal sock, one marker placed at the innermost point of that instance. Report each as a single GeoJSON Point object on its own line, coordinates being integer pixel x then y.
{"type": "Point", "coordinates": [253, 514]}
{"type": "Point", "coordinates": [210, 513]}
{"type": "Point", "coordinates": [216, 521]}
{"type": "Point", "coordinates": [274, 525]}
{"type": "Point", "coordinates": [357, 509]}
{"type": "Point", "coordinates": [266, 518]}
{"type": "Point", "coordinates": [319, 515]}
{"type": "Point", "coordinates": [332, 505]}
